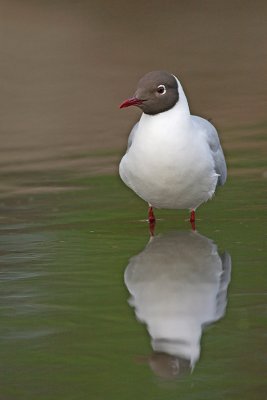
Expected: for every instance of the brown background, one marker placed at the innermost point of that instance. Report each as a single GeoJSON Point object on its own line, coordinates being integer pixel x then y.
{"type": "Point", "coordinates": [65, 66]}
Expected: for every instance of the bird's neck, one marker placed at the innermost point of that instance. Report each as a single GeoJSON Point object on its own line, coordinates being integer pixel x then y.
{"type": "Point", "coordinates": [182, 102]}
{"type": "Point", "coordinates": [176, 116]}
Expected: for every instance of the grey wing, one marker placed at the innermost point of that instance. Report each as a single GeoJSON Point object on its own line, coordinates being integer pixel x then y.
{"type": "Point", "coordinates": [215, 146]}
{"type": "Point", "coordinates": [131, 136]}
{"type": "Point", "coordinates": [224, 283]}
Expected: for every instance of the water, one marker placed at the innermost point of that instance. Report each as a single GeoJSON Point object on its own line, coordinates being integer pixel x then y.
{"type": "Point", "coordinates": [73, 323]}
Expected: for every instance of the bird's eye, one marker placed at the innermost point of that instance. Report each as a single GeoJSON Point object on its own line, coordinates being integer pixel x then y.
{"type": "Point", "coordinates": [161, 89]}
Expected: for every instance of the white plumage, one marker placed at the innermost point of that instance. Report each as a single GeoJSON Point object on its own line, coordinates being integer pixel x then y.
{"type": "Point", "coordinates": [174, 159]}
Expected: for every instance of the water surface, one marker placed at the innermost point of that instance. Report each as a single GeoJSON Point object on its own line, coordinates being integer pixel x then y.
{"type": "Point", "coordinates": [69, 227]}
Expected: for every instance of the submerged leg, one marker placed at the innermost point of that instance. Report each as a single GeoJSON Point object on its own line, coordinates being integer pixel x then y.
{"type": "Point", "coordinates": [193, 219]}
{"type": "Point", "coordinates": [151, 220]}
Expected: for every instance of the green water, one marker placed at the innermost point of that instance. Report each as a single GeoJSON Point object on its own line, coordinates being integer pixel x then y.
{"type": "Point", "coordinates": [67, 330]}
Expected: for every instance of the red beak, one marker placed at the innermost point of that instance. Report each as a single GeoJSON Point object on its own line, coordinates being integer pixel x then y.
{"type": "Point", "coordinates": [133, 101]}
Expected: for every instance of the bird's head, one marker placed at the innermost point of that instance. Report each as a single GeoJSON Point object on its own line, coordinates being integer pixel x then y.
{"type": "Point", "coordinates": [156, 92]}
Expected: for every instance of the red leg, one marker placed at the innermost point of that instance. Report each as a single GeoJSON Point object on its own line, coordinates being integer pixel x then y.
{"type": "Point", "coordinates": [151, 216]}
{"type": "Point", "coordinates": [151, 220]}
{"type": "Point", "coordinates": [193, 219]}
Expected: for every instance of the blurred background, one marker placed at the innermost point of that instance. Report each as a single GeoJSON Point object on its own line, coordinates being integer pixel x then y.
{"type": "Point", "coordinates": [66, 66]}
{"type": "Point", "coordinates": [69, 226]}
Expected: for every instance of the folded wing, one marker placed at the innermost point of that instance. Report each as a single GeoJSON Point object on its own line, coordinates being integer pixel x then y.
{"type": "Point", "coordinates": [215, 146]}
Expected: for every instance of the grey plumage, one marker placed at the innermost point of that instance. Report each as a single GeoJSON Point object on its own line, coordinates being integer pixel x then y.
{"type": "Point", "coordinates": [215, 146]}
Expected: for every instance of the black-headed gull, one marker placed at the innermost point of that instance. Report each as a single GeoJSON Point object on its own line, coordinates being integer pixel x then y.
{"type": "Point", "coordinates": [174, 159]}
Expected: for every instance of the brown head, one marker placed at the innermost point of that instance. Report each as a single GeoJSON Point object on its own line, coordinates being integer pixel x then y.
{"type": "Point", "coordinates": [157, 91]}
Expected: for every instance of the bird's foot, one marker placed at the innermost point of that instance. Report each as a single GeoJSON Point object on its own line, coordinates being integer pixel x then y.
{"type": "Point", "coordinates": [151, 216]}
{"type": "Point", "coordinates": [152, 226]}
{"type": "Point", "coordinates": [152, 221]}
{"type": "Point", "coordinates": [193, 220]}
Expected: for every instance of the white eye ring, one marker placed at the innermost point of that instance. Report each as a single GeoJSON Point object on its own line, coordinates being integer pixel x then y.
{"type": "Point", "coordinates": [161, 89]}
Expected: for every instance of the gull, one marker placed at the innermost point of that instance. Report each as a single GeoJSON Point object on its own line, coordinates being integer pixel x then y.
{"type": "Point", "coordinates": [174, 160]}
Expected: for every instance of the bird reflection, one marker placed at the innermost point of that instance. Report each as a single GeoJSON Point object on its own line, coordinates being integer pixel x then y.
{"type": "Point", "coordinates": [178, 285]}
